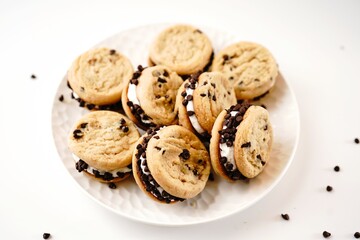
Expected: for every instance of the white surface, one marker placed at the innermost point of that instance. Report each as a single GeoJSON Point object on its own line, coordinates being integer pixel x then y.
{"type": "Point", "coordinates": [317, 47]}
{"type": "Point", "coordinates": [219, 198]}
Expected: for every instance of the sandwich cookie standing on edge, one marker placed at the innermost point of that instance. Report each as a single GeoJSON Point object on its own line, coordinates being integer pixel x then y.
{"type": "Point", "coordinates": [183, 48]}
{"type": "Point", "coordinates": [149, 97]}
{"type": "Point", "coordinates": [170, 164]}
{"type": "Point", "coordinates": [241, 142]}
{"type": "Point", "coordinates": [102, 143]}
{"type": "Point", "coordinates": [200, 100]}
{"type": "Point", "coordinates": [97, 78]}
{"type": "Point", "coordinates": [250, 68]}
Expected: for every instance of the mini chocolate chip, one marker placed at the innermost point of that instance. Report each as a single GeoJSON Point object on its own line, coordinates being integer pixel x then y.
{"type": "Point", "coordinates": [357, 235]}
{"type": "Point", "coordinates": [189, 97]}
{"type": "Point", "coordinates": [183, 94]}
{"type": "Point", "coordinates": [112, 51]}
{"type": "Point", "coordinates": [159, 85]}
{"type": "Point", "coordinates": [130, 104]}
{"type": "Point", "coordinates": [258, 157]}
{"type": "Point", "coordinates": [186, 85]}
{"type": "Point", "coordinates": [134, 81]}
{"type": "Point", "coordinates": [205, 83]}
{"type": "Point", "coordinates": [90, 106]}
{"type": "Point", "coordinates": [336, 168]}
{"type": "Point", "coordinates": [185, 102]}
{"type": "Point", "coordinates": [33, 76]}
{"type": "Point", "coordinates": [228, 92]}
{"type": "Point", "coordinates": [166, 74]}
{"type": "Point", "coordinates": [122, 121]}
{"type": "Point", "coordinates": [256, 80]}
{"type": "Point", "coordinates": [231, 78]}
{"type": "Point", "coordinates": [112, 185]}
{"type": "Point", "coordinates": [126, 129]}
{"type": "Point", "coordinates": [213, 84]}
{"type": "Point", "coordinates": [158, 148]}
{"type": "Point", "coordinates": [329, 188]}
{"type": "Point", "coordinates": [120, 174]}
{"type": "Point", "coordinates": [203, 94]}
{"type": "Point", "coordinates": [356, 140]}
{"type": "Point", "coordinates": [229, 143]}
{"type": "Point", "coordinates": [185, 154]}
{"type": "Point", "coordinates": [81, 165]}
{"type": "Point", "coordinates": [246, 145]}
{"type": "Point", "coordinates": [108, 176]}
{"type": "Point", "coordinates": [326, 234]}
{"type": "Point", "coordinates": [61, 98]}
{"type": "Point", "coordinates": [82, 103]}
{"type": "Point", "coordinates": [96, 173]}
{"type": "Point", "coordinates": [46, 235]}
{"type": "Point", "coordinates": [214, 98]}
{"type": "Point", "coordinates": [223, 160]}
{"type": "Point", "coordinates": [190, 113]}
{"type": "Point", "coordinates": [140, 68]}
{"type": "Point", "coordinates": [163, 152]}
{"type": "Point", "coordinates": [263, 162]}
{"type": "Point", "coordinates": [78, 134]}
{"type": "Point", "coordinates": [239, 118]}
{"type": "Point", "coordinates": [226, 57]}
{"type": "Point", "coordinates": [83, 125]}
{"type": "Point", "coordinates": [285, 217]}
{"type": "Point", "coordinates": [193, 86]}
{"type": "Point", "coordinates": [161, 80]}
{"type": "Point", "coordinates": [156, 137]}
{"type": "Point", "coordinates": [266, 127]}
{"type": "Point", "coordinates": [195, 172]}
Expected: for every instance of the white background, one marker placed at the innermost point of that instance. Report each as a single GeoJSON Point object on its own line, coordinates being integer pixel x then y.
{"type": "Point", "coordinates": [317, 46]}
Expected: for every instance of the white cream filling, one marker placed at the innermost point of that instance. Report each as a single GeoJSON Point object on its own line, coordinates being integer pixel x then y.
{"type": "Point", "coordinates": [226, 151]}
{"type": "Point", "coordinates": [160, 189]}
{"type": "Point", "coordinates": [190, 107]}
{"type": "Point", "coordinates": [131, 94]}
{"type": "Point", "coordinates": [113, 172]}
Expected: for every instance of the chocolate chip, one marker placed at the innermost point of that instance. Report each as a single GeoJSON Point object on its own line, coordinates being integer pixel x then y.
{"type": "Point", "coordinates": [231, 78]}
{"type": "Point", "coordinates": [190, 113]}
{"type": "Point", "coordinates": [134, 81]}
{"type": "Point", "coordinates": [205, 83]}
{"type": "Point", "coordinates": [263, 162]}
{"type": "Point", "coordinates": [112, 51]}
{"type": "Point", "coordinates": [356, 140]}
{"type": "Point", "coordinates": [193, 86]}
{"type": "Point", "coordinates": [158, 148]}
{"type": "Point", "coordinates": [256, 80]}
{"type": "Point", "coordinates": [214, 98]}
{"type": "Point", "coordinates": [120, 174]}
{"type": "Point", "coordinates": [81, 165]}
{"type": "Point", "coordinates": [184, 102]}
{"type": "Point", "coordinates": [285, 217]}
{"type": "Point", "coordinates": [336, 168]}
{"type": "Point", "coordinates": [140, 68]}
{"type": "Point", "coordinates": [183, 94]}
{"type": "Point", "coordinates": [213, 84]}
{"type": "Point", "coordinates": [357, 235]}
{"type": "Point", "coordinates": [203, 94]}
{"type": "Point", "coordinates": [266, 127]}
{"type": "Point", "coordinates": [112, 185]}
{"type": "Point", "coordinates": [83, 125]}
{"type": "Point", "coordinates": [246, 145]}
{"type": "Point", "coordinates": [156, 137]}
{"type": "Point", "coordinates": [166, 74]}
{"type": "Point", "coordinates": [90, 106]}
{"type": "Point", "coordinates": [96, 173]}
{"type": "Point", "coordinates": [163, 152]}
{"type": "Point", "coordinates": [129, 103]}
{"type": "Point", "coordinates": [126, 129]}
{"type": "Point", "coordinates": [189, 97]}
{"type": "Point", "coordinates": [226, 57]}
{"type": "Point", "coordinates": [78, 134]}
{"type": "Point", "coordinates": [329, 188]}
{"type": "Point", "coordinates": [229, 166]}
{"type": "Point", "coordinates": [46, 235]}
{"type": "Point", "coordinates": [185, 154]}
{"type": "Point", "coordinates": [262, 105]}
{"type": "Point", "coordinates": [33, 76]}
{"type": "Point", "coordinates": [186, 85]}
{"type": "Point", "coordinates": [326, 234]}
{"type": "Point", "coordinates": [229, 143]}
{"type": "Point", "coordinates": [122, 121]}
{"type": "Point", "coordinates": [61, 98]}
{"type": "Point", "coordinates": [223, 160]}
{"type": "Point", "coordinates": [239, 118]}
{"type": "Point", "coordinates": [198, 31]}
{"type": "Point", "coordinates": [161, 80]}
{"type": "Point", "coordinates": [258, 157]}
{"type": "Point", "coordinates": [82, 103]}
{"type": "Point", "coordinates": [108, 176]}
{"type": "Point", "coordinates": [228, 92]}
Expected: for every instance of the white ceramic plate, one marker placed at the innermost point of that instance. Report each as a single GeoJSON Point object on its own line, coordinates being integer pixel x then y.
{"type": "Point", "coordinates": [219, 198]}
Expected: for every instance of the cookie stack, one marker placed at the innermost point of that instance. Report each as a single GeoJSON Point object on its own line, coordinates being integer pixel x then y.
{"type": "Point", "coordinates": [185, 100]}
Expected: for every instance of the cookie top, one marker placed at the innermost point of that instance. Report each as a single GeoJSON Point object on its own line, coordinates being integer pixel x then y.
{"type": "Point", "coordinates": [202, 99]}
{"type": "Point", "coordinates": [104, 140]}
{"type": "Point", "coordinates": [253, 142]}
{"type": "Point", "coordinates": [98, 75]}
{"type": "Point", "coordinates": [153, 90]}
{"type": "Point", "coordinates": [175, 162]}
{"type": "Point", "coordinates": [184, 167]}
{"type": "Point", "coordinates": [182, 48]}
{"type": "Point", "coordinates": [250, 67]}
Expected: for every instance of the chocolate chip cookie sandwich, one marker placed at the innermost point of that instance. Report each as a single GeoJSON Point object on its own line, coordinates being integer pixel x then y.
{"type": "Point", "coordinates": [97, 78]}
{"type": "Point", "coordinates": [170, 164]}
{"type": "Point", "coordinates": [250, 68]}
{"type": "Point", "coordinates": [183, 48]}
{"type": "Point", "coordinates": [149, 97]}
{"type": "Point", "coordinates": [200, 100]}
{"type": "Point", "coordinates": [241, 142]}
{"type": "Point", "coordinates": [102, 143]}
